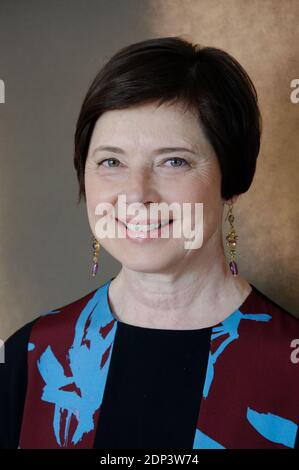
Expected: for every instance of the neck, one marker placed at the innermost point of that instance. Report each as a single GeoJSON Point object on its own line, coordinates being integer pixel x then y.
{"type": "Point", "coordinates": [199, 293]}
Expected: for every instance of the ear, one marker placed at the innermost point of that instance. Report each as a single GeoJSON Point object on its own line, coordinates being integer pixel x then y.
{"type": "Point", "coordinates": [235, 198]}
{"type": "Point", "coordinates": [232, 200]}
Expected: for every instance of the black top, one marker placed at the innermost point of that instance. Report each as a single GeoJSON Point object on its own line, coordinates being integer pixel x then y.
{"type": "Point", "coordinates": [152, 392]}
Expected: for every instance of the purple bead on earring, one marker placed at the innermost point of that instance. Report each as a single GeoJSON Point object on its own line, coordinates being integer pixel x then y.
{"type": "Point", "coordinates": [94, 269]}
{"type": "Point", "coordinates": [233, 267]}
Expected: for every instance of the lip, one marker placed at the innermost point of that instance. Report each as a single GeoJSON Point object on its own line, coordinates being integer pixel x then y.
{"type": "Point", "coordinates": [143, 237]}
{"type": "Point", "coordinates": [144, 222]}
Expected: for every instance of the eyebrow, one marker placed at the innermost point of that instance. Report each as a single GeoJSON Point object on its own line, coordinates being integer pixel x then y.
{"type": "Point", "coordinates": [159, 151]}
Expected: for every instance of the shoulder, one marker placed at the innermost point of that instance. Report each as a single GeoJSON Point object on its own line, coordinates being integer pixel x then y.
{"type": "Point", "coordinates": [16, 345]}
{"type": "Point", "coordinates": [271, 333]}
{"type": "Point", "coordinates": [283, 323]}
{"type": "Point", "coordinates": [51, 323]}
{"type": "Point", "coordinates": [266, 324]}
{"type": "Point", "coordinates": [59, 331]}
{"type": "Point", "coordinates": [58, 324]}
{"type": "Point", "coordinates": [19, 342]}
{"type": "Point", "coordinates": [260, 321]}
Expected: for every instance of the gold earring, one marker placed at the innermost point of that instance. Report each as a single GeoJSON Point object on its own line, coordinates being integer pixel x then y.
{"type": "Point", "coordinates": [96, 249]}
{"type": "Point", "coordinates": [232, 238]}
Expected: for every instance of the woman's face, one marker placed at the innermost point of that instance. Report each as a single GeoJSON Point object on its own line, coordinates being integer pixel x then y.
{"type": "Point", "coordinates": [146, 176]}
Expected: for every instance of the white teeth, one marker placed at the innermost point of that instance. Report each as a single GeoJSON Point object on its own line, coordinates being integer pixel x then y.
{"type": "Point", "coordinates": [144, 228]}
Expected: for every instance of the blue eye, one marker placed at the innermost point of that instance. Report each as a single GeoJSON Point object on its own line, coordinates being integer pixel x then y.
{"type": "Point", "coordinates": [177, 159]}
{"type": "Point", "coordinates": [107, 160]}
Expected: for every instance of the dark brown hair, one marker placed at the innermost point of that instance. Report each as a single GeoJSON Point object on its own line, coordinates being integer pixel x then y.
{"type": "Point", "coordinates": [171, 69]}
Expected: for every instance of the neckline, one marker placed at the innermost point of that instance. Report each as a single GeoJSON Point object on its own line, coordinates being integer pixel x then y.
{"type": "Point", "coordinates": [123, 324]}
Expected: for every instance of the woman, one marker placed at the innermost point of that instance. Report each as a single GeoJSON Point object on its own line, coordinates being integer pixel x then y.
{"type": "Point", "coordinates": [178, 350]}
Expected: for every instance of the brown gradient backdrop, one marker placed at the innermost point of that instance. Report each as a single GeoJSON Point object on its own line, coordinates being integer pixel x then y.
{"type": "Point", "coordinates": [49, 53]}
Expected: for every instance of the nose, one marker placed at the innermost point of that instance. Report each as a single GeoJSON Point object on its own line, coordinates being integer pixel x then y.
{"type": "Point", "coordinates": [139, 187]}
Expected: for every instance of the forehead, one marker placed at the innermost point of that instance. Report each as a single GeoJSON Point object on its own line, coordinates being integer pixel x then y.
{"type": "Point", "coordinates": [149, 126]}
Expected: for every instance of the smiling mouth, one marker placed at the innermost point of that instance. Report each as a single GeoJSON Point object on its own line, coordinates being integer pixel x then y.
{"type": "Point", "coordinates": [144, 227]}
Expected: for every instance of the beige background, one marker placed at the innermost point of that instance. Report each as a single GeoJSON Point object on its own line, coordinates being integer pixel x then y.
{"type": "Point", "coordinates": [49, 53]}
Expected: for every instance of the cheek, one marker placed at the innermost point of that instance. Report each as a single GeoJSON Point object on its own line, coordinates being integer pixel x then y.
{"type": "Point", "coordinates": [93, 196]}
{"type": "Point", "coordinates": [202, 188]}
{"type": "Point", "coordinates": [207, 187]}
{"type": "Point", "coordinates": [196, 189]}
{"type": "Point", "coordinates": [93, 188]}
{"type": "Point", "coordinates": [98, 193]}
{"type": "Point", "coordinates": [90, 182]}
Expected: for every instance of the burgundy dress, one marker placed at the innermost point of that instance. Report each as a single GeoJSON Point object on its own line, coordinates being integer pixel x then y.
{"type": "Point", "coordinates": [76, 377]}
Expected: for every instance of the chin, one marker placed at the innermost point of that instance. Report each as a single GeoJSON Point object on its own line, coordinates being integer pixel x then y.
{"type": "Point", "coordinates": [153, 263]}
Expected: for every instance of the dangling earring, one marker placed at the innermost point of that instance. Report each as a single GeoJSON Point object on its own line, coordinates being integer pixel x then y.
{"type": "Point", "coordinates": [232, 238]}
{"type": "Point", "coordinates": [96, 249]}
